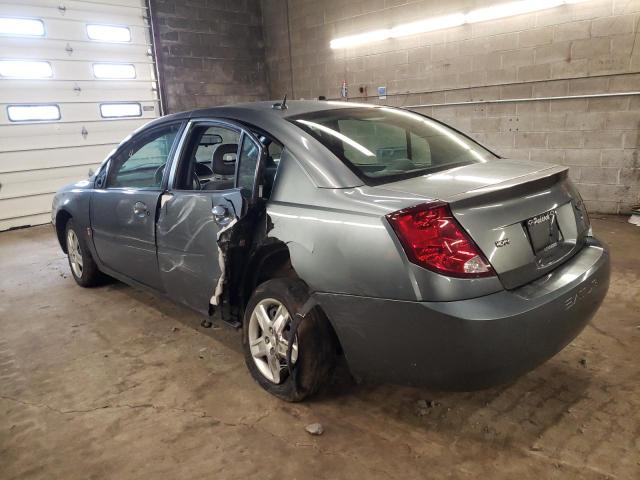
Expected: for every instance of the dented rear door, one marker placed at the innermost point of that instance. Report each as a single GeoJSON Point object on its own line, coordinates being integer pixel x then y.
{"type": "Point", "coordinates": [187, 234]}
{"type": "Point", "coordinates": [190, 221]}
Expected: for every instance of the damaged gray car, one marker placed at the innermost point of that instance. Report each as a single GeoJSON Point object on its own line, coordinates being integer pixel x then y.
{"type": "Point", "coordinates": [330, 228]}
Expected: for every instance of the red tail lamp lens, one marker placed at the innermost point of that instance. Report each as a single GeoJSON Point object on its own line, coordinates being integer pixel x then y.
{"type": "Point", "coordinates": [433, 238]}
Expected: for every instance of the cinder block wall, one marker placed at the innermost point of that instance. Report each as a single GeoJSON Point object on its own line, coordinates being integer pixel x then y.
{"type": "Point", "coordinates": [210, 52]}
{"type": "Point", "coordinates": [492, 80]}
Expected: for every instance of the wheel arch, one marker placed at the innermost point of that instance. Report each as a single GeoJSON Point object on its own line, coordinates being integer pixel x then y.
{"type": "Point", "coordinates": [274, 261]}
{"type": "Point", "coordinates": [265, 262]}
{"type": "Point", "coordinates": [62, 218]}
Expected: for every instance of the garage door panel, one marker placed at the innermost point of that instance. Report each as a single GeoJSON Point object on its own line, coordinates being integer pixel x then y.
{"type": "Point", "coordinates": [86, 112]}
{"type": "Point", "coordinates": [14, 208]}
{"type": "Point", "coordinates": [23, 184]}
{"type": "Point", "coordinates": [38, 48]}
{"type": "Point", "coordinates": [43, 91]}
{"type": "Point", "coordinates": [55, 158]}
{"type": "Point", "coordinates": [22, 137]}
{"type": "Point", "coordinates": [82, 70]}
{"type": "Point", "coordinates": [98, 5]}
{"type": "Point", "coordinates": [74, 12]}
{"type": "Point", "coordinates": [25, 220]}
{"type": "Point", "coordinates": [76, 31]}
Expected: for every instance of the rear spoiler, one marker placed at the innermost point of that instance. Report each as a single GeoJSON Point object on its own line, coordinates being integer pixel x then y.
{"type": "Point", "coordinates": [514, 187]}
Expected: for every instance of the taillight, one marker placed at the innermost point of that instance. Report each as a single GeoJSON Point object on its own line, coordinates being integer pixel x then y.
{"type": "Point", "coordinates": [432, 238]}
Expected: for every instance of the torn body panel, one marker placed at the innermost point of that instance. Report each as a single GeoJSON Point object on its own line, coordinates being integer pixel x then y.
{"type": "Point", "coordinates": [222, 262]}
{"type": "Point", "coordinates": [235, 250]}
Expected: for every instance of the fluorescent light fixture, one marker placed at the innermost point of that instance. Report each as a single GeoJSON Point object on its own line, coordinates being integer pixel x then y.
{"type": "Point", "coordinates": [423, 26]}
{"type": "Point", "coordinates": [33, 113]}
{"type": "Point", "coordinates": [109, 33]}
{"type": "Point", "coordinates": [494, 12]}
{"type": "Point", "coordinates": [510, 9]}
{"type": "Point", "coordinates": [30, 27]}
{"type": "Point", "coordinates": [118, 110]}
{"type": "Point", "coordinates": [360, 39]}
{"type": "Point", "coordinates": [25, 69]}
{"type": "Point", "coordinates": [114, 70]}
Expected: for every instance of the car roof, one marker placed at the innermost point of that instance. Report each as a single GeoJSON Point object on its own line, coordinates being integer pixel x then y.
{"type": "Point", "coordinates": [294, 108]}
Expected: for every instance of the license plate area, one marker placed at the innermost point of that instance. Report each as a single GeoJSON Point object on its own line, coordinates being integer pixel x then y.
{"type": "Point", "coordinates": [543, 231]}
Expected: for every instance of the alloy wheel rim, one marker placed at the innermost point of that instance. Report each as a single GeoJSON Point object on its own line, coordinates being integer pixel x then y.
{"type": "Point", "coordinates": [75, 254]}
{"type": "Point", "coordinates": [269, 332]}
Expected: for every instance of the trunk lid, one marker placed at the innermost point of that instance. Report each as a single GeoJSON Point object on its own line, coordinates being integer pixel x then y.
{"type": "Point", "coordinates": [526, 218]}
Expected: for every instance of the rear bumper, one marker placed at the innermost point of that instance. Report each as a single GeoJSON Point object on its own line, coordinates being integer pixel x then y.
{"type": "Point", "coordinates": [470, 343]}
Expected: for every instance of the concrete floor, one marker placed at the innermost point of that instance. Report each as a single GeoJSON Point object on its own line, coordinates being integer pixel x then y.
{"type": "Point", "coordinates": [114, 383]}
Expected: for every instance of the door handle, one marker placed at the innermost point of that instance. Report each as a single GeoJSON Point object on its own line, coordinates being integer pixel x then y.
{"type": "Point", "coordinates": [221, 215]}
{"type": "Point", "coordinates": [140, 210]}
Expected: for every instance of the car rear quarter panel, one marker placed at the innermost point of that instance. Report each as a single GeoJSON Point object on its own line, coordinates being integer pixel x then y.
{"type": "Point", "coordinates": [340, 241]}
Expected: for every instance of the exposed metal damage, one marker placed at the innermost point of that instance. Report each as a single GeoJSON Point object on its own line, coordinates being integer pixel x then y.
{"type": "Point", "coordinates": [217, 293]}
{"type": "Point", "coordinates": [239, 244]}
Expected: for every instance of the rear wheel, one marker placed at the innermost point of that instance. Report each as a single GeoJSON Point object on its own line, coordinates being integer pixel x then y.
{"type": "Point", "coordinates": [290, 365]}
{"type": "Point", "coordinates": [84, 270]}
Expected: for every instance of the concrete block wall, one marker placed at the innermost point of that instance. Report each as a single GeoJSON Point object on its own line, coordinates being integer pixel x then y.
{"type": "Point", "coordinates": [210, 52]}
{"type": "Point", "coordinates": [496, 81]}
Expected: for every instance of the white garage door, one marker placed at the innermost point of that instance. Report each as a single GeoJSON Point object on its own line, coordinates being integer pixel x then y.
{"type": "Point", "coordinates": [76, 77]}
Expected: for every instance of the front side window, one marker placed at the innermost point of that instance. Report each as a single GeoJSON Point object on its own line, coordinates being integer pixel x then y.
{"type": "Point", "coordinates": [141, 163]}
{"type": "Point", "coordinates": [386, 144]}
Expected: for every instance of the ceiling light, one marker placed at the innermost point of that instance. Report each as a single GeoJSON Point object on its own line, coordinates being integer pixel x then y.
{"type": "Point", "coordinates": [429, 25]}
{"type": "Point", "coordinates": [494, 12]}
{"type": "Point", "coordinates": [21, 26]}
{"type": "Point", "coordinates": [510, 9]}
{"type": "Point", "coordinates": [360, 39]}
{"type": "Point", "coordinates": [33, 113]}
{"type": "Point", "coordinates": [114, 70]}
{"type": "Point", "coordinates": [114, 110]}
{"type": "Point", "coordinates": [109, 33]}
{"type": "Point", "coordinates": [25, 69]}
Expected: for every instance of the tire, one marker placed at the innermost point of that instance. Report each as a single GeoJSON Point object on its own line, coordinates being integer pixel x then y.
{"type": "Point", "coordinates": [83, 268]}
{"type": "Point", "coordinates": [313, 353]}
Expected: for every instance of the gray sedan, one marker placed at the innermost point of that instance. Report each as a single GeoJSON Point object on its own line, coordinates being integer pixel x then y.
{"type": "Point", "coordinates": [324, 229]}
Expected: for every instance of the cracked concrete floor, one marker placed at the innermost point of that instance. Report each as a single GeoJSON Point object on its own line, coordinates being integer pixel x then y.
{"type": "Point", "coordinates": [114, 383]}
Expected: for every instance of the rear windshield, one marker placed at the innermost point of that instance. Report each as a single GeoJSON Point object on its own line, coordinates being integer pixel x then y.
{"type": "Point", "coordinates": [384, 144]}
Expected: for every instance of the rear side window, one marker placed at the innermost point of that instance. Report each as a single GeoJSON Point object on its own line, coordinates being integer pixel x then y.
{"type": "Point", "coordinates": [386, 144]}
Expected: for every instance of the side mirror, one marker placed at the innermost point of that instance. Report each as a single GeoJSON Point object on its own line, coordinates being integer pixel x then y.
{"type": "Point", "coordinates": [99, 183]}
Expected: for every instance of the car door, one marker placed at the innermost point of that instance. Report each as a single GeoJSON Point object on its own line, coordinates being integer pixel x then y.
{"type": "Point", "coordinates": [123, 211]}
{"type": "Point", "coordinates": [210, 188]}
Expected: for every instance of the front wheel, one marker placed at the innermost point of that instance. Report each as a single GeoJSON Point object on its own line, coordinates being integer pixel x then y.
{"type": "Point", "coordinates": [290, 365]}
{"type": "Point", "coordinates": [84, 270]}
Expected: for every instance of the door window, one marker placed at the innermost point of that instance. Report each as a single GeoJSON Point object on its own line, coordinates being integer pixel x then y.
{"type": "Point", "coordinates": [209, 161]}
{"type": "Point", "coordinates": [142, 162]}
{"type": "Point", "coordinates": [248, 162]}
